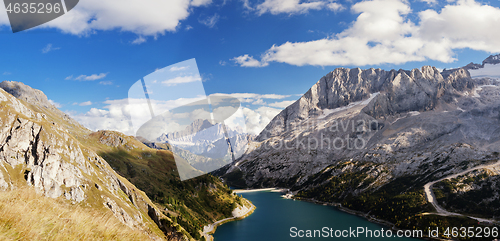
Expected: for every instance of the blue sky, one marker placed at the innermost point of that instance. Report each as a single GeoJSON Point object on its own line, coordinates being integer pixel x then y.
{"type": "Point", "coordinates": [267, 51]}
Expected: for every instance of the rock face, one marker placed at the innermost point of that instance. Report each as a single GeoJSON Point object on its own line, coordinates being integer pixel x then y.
{"type": "Point", "coordinates": [38, 100]}
{"type": "Point", "coordinates": [400, 91]}
{"type": "Point", "coordinates": [36, 149]}
{"type": "Point", "coordinates": [492, 59]}
{"type": "Point", "coordinates": [400, 121]}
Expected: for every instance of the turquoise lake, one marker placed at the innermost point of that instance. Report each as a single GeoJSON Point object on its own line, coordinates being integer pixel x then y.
{"type": "Point", "coordinates": [274, 217]}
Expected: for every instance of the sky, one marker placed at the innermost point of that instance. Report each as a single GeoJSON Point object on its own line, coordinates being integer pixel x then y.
{"type": "Point", "coordinates": [267, 53]}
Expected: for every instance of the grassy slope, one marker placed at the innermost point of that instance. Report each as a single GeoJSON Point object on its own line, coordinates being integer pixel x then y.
{"type": "Point", "coordinates": [25, 215]}
{"type": "Point", "coordinates": [93, 202]}
{"type": "Point", "coordinates": [192, 203]}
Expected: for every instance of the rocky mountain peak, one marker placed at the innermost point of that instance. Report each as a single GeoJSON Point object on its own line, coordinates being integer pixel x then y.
{"type": "Point", "coordinates": [197, 126]}
{"type": "Point", "coordinates": [400, 91]}
{"type": "Point", "coordinates": [492, 59]}
{"type": "Point", "coordinates": [26, 93]}
{"type": "Point", "coordinates": [39, 101]}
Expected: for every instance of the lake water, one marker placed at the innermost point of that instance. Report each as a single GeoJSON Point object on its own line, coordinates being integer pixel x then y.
{"type": "Point", "coordinates": [274, 217]}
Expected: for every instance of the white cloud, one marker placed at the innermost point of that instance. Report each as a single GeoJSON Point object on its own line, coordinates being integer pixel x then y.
{"type": "Point", "coordinates": [86, 103]}
{"type": "Point", "coordinates": [282, 104]}
{"type": "Point", "coordinates": [198, 3]}
{"type": "Point", "coordinates": [99, 119]}
{"type": "Point", "coordinates": [57, 105]}
{"type": "Point", "coordinates": [430, 2]}
{"type": "Point", "coordinates": [291, 6]}
{"type": "Point", "coordinates": [49, 48]}
{"type": "Point", "coordinates": [175, 68]}
{"type": "Point", "coordinates": [7, 73]}
{"type": "Point", "coordinates": [249, 61]}
{"type": "Point", "coordinates": [139, 40]}
{"type": "Point", "coordinates": [181, 80]}
{"type": "Point", "coordinates": [117, 114]}
{"type": "Point", "coordinates": [106, 82]}
{"type": "Point", "coordinates": [254, 98]}
{"type": "Point", "coordinates": [148, 18]}
{"type": "Point", "coordinates": [383, 33]}
{"type": "Point", "coordinates": [88, 77]}
{"type": "Point", "coordinates": [69, 77]}
{"type": "Point", "coordinates": [257, 120]}
{"type": "Point", "coordinates": [210, 21]}
{"type": "Point", "coordinates": [336, 7]}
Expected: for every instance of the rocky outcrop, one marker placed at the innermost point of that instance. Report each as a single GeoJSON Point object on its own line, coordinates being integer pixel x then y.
{"type": "Point", "coordinates": [400, 91]}
{"type": "Point", "coordinates": [39, 101]}
{"type": "Point", "coordinates": [376, 116]}
{"type": "Point", "coordinates": [116, 139]}
{"type": "Point", "coordinates": [37, 150]}
{"type": "Point", "coordinates": [492, 59]}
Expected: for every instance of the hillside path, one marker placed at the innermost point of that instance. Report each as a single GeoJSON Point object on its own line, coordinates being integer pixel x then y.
{"type": "Point", "coordinates": [431, 198]}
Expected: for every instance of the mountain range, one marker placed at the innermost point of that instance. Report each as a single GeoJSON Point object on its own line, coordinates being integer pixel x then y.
{"type": "Point", "coordinates": [205, 145]}
{"type": "Point", "coordinates": [370, 140]}
{"type": "Point", "coordinates": [110, 184]}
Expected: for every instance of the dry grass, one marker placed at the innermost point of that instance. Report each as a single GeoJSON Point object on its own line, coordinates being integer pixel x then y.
{"type": "Point", "coordinates": [25, 215]}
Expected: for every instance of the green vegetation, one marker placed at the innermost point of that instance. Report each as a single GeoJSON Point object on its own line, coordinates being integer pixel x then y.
{"type": "Point", "coordinates": [473, 194]}
{"type": "Point", "coordinates": [401, 201]}
{"type": "Point", "coordinates": [396, 201]}
{"type": "Point", "coordinates": [191, 204]}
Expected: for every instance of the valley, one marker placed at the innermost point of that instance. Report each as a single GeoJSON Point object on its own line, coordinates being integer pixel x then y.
{"type": "Point", "coordinates": [422, 132]}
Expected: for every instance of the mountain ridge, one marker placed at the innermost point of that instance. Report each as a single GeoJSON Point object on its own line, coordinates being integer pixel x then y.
{"type": "Point", "coordinates": [44, 150]}
{"type": "Point", "coordinates": [369, 140]}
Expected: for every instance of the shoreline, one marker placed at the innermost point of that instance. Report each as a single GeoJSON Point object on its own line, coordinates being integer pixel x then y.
{"type": "Point", "coordinates": [210, 229]}
{"type": "Point", "coordinates": [361, 214]}
{"type": "Point", "coordinates": [271, 189]}
{"type": "Point", "coordinates": [350, 211]}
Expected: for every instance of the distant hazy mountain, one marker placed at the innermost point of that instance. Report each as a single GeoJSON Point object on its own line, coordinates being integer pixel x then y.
{"type": "Point", "coordinates": [205, 145]}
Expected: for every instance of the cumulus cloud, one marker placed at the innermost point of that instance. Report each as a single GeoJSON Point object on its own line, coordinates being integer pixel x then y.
{"type": "Point", "coordinates": [147, 18]}
{"type": "Point", "coordinates": [255, 98]}
{"type": "Point", "coordinates": [249, 61]}
{"type": "Point", "coordinates": [86, 103]}
{"type": "Point", "coordinates": [56, 104]}
{"type": "Point", "coordinates": [117, 114]}
{"type": "Point", "coordinates": [139, 40]}
{"type": "Point", "coordinates": [293, 6]}
{"type": "Point", "coordinates": [383, 33]}
{"type": "Point", "coordinates": [282, 104]}
{"type": "Point", "coordinates": [336, 7]}
{"type": "Point", "coordinates": [257, 120]}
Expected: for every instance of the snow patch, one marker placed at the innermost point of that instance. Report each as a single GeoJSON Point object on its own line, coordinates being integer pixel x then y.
{"type": "Point", "coordinates": [479, 88]}
{"type": "Point", "coordinates": [327, 112]}
{"type": "Point", "coordinates": [489, 70]}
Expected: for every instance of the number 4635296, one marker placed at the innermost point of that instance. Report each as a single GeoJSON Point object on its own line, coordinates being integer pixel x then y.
{"type": "Point", "coordinates": [34, 8]}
